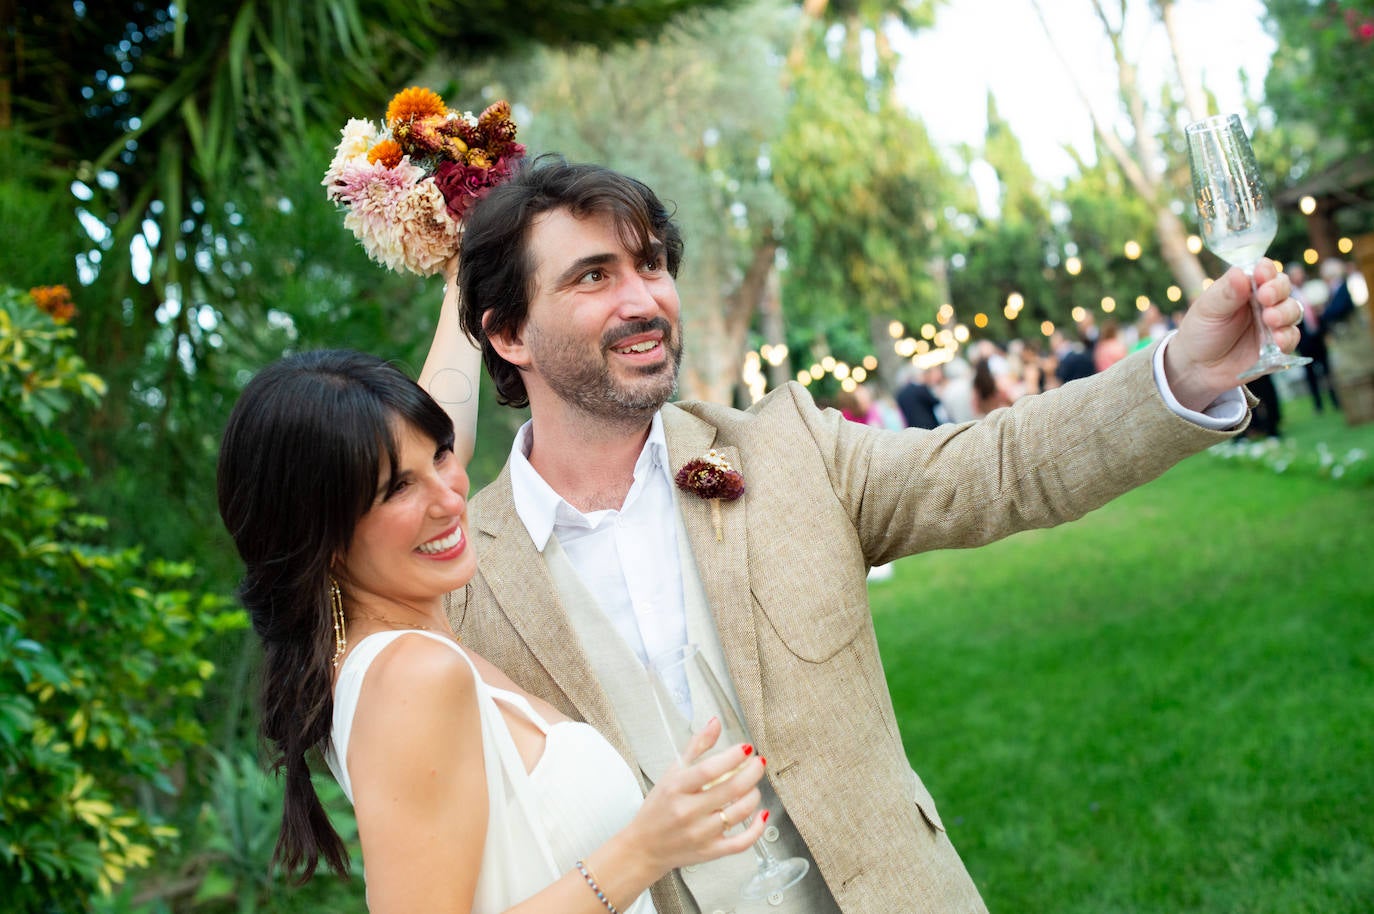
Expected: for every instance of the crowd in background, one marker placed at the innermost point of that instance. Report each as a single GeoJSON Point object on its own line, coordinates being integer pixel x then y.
{"type": "Point", "coordinates": [989, 375]}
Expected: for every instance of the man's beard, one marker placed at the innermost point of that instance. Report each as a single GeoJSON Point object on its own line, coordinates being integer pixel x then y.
{"type": "Point", "coordinates": [587, 383]}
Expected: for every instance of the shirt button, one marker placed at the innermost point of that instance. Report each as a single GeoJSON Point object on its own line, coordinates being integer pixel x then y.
{"type": "Point", "coordinates": [770, 833]}
{"type": "Point", "coordinates": [775, 899]}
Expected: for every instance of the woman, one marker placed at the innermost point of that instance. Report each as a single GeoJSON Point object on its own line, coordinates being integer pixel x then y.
{"type": "Point", "coordinates": [339, 484]}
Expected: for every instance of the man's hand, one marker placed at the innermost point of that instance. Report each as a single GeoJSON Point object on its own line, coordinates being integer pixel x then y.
{"type": "Point", "coordinates": [1218, 338]}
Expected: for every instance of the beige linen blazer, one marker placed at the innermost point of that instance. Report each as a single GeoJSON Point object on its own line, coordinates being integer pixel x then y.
{"type": "Point", "coordinates": [824, 500]}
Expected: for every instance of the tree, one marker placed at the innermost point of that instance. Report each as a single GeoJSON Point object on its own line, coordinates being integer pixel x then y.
{"type": "Point", "coordinates": [1133, 135]}
{"type": "Point", "coordinates": [1322, 73]}
{"type": "Point", "coordinates": [101, 649]}
{"type": "Point", "coordinates": [866, 189]}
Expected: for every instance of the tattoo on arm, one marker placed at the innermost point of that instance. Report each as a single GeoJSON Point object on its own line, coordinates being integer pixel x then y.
{"type": "Point", "coordinates": [450, 385]}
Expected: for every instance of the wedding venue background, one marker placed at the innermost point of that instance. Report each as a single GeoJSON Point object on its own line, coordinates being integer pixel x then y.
{"type": "Point", "coordinates": [1163, 707]}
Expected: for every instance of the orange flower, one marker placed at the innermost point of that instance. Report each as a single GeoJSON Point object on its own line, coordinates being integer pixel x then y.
{"type": "Point", "coordinates": [56, 301]}
{"type": "Point", "coordinates": [388, 152]}
{"type": "Point", "coordinates": [414, 102]}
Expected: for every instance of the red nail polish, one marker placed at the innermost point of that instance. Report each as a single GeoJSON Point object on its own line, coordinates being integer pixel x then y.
{"type": "Point", "coordinates": [763, 760]}
{"type": "Point", "coordinates": [748, 749]}
{"type": "Point", "coordinates": [765, 815]}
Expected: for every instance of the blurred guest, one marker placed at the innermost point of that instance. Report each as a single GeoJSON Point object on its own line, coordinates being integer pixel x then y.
{"type": "Point", "coordinates": [857, 406]}
{"type": "Point", "coordinates": [1312, 343]}
{"type": "Point", "coordinates": [988, 394]}
{"type": "Point", "coordinates": [1110, 348]}
{"type": "Point", "coordinates": [957, 392]}
{"type": "Point", "coordinates": [1074, 362]}
{"type": "Point", "coordinates": [1267, 415]}
{"type": "Point", "coordinates": [1339, 302]}
{"type": "Point", "coordinates": [920, 407]}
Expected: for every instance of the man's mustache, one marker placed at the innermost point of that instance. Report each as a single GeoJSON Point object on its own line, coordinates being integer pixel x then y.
{"type": "Point", "coordinates": [625, 331]}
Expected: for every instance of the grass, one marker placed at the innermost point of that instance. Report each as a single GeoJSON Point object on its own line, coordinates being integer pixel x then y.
{"type": "Point", "coordinates": [1167, 706]}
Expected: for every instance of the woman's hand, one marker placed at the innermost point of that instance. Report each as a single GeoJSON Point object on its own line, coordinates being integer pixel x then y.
{"type": "Point", "coordinates": [684, 821]}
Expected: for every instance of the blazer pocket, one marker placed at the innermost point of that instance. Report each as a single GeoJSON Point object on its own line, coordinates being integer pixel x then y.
{"type": "Point", "coordinates": [925, 803]}
{"type": "Point", "coordinates": [814, 631]}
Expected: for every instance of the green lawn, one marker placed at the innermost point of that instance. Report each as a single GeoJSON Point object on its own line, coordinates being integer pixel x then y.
{"type": "Point", "coordinates": [1167, 706]}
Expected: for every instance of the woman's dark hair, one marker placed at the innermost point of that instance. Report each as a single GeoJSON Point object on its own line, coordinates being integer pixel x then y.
{"type": "Point", "coordinates": [496, 274]}
{"type": "Point", "coordinates": [984, 384]}
{"type": "Point", "coordinates": [299, 465]}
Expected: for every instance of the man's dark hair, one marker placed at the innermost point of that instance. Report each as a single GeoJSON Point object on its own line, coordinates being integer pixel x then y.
{"type": "Point", "coordinates": [496, 274]}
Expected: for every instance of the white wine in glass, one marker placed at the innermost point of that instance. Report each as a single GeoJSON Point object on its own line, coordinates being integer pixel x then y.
{"type": "Point", "coordinates": [1236, 216]}
{"type": "Point", "coordinates": [688, 696]}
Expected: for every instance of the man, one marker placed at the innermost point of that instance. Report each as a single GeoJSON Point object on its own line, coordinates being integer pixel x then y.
{"type": "Point", "coordinates": [592, 561]}
{"type": "Point", "coordinates": [920, 407]}
{"type": "Point", "coordinates": [1312, 342]}
{"type": "Point", "coordinates": [1074, 362]}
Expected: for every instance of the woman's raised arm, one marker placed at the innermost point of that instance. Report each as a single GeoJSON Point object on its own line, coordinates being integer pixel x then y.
{"type": "Point", "coordinates": [453, 368]}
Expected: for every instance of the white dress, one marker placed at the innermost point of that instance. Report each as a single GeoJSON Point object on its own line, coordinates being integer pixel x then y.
{"type": "Point", "coordinates": [539, 823]}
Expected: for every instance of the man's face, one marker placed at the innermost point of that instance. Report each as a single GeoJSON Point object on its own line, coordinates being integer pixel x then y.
{"type": "Point", "coordinates": [603, 331]}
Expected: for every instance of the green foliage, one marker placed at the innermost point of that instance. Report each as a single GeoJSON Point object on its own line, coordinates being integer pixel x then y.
{"type": "Point", "coordinates": [1323, 72]}
{"type": "Point", "coordinates": [226, 867]}
{"type": "Point", "coordinates": [865, 185]}
{"type": "Point", "coordinates": [100, 665]}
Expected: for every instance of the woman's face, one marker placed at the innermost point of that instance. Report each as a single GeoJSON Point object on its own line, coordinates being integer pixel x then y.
{"type": "Point", "coordinates": [411, 547]}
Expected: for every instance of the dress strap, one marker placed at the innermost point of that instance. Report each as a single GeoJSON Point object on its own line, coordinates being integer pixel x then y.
{"type": "Point", "coordinates": [505, 696]}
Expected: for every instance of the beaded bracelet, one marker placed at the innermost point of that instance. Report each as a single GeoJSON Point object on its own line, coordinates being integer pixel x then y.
{"type": "Point", "coordinates": [600, 895]}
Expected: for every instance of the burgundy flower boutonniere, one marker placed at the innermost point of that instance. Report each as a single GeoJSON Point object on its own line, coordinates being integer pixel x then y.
{"type": "Point", "coordinates": [711, 477]}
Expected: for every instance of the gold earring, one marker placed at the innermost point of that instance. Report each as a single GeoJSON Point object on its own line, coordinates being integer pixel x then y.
{"type": "Point", "coordinates": [340, 633]}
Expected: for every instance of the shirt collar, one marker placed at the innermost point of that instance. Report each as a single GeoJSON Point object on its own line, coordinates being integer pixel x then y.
{"type": "Point", "coordinates": [539, 507]}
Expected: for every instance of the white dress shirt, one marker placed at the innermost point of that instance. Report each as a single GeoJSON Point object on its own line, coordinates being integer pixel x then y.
{"type": "Point", "coordinates": [628, 559]}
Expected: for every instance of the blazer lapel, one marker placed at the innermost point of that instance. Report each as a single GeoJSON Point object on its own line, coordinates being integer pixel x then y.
{"type": "Point", "coordinates": [526, 595]}
{"type": "Point", "coordinates": [722, 566]}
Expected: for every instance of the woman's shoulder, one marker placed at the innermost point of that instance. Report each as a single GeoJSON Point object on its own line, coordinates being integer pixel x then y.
{"type": "Point", "coordinates": [416, 663]}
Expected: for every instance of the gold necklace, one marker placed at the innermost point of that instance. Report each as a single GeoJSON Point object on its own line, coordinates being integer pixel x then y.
{"type": "Point", "coordinates": [400, 626]}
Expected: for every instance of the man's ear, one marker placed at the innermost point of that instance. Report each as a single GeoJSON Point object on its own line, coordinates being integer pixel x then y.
{"type": "Point", "coordinates": [508, 345]}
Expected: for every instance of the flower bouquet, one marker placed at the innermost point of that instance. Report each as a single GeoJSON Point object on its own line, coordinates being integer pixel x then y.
{"type": "Point", "coordinates": [408, 185]}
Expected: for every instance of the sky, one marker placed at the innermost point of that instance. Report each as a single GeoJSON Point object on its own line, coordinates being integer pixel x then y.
{"type": "Point", "coordinates": [1000, 45]}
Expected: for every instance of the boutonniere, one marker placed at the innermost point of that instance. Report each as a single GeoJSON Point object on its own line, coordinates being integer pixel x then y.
{"type": "Point", "coordinates": [711, 477]}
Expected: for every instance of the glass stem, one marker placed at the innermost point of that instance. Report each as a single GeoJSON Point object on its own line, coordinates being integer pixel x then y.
{"type": "Point", "coordinates": [1267, 345]}
{"type": "Point", "coordinates": [761, 850]}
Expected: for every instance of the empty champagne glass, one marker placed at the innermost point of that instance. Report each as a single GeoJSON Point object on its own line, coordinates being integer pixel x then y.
{"type": "Point", "coordinates": [688, 696]}
{"type": "Point", "coordinates": [1236, 216]}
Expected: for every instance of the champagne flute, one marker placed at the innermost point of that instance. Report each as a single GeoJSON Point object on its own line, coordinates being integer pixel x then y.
{"type": "Point", "coordinates": [1236, 215]}
{"type": "Point", "coordinates": [688, 695]}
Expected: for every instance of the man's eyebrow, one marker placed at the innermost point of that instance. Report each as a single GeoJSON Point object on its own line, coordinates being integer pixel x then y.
{"type": "Point", "coordinates": [580, 266]}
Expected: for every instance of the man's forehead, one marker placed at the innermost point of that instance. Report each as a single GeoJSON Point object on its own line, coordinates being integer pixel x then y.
{"type": "Point", "coordinates": [559, 237]}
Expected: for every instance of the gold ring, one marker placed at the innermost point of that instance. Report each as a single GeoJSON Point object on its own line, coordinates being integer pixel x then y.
{"type": "Point", "coordinates": [724, 822]}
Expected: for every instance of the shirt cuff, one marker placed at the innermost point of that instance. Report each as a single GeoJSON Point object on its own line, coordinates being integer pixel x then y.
{"type": "Point", "coordinates": [1222, 414]}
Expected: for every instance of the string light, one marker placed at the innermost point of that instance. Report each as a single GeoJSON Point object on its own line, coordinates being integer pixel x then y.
{"type": "Point", "coordinates": [1073, 266]}
{"type": "Point", "coordinates": [1345, 245]}
{"type": "Point", "coordinates": [1173, 293]}
{"type": "Point", "coordinates": [1194, 244]}
{"type": "Point", "coordinates": [1132, 250]}
{"type": "Point", "coordinates": [1308, 205]}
